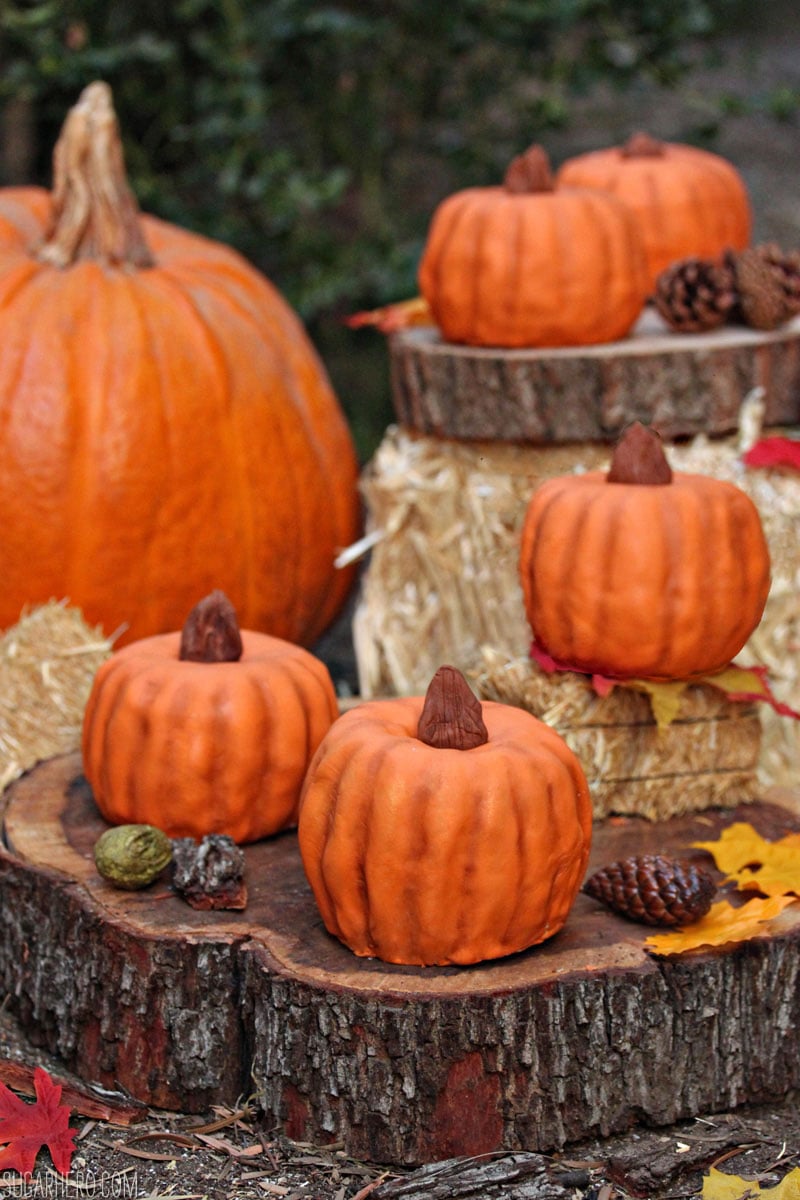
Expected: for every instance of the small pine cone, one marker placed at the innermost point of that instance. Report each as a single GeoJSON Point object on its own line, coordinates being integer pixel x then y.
{"type": "Point", "coordinates": [694, 294]}
{"type": "Point", "coordinates": [653, 890]}
{"type": "Point", "coordinates": [761, 299]}
{"type": "Point", "coordinates": [786, 268]}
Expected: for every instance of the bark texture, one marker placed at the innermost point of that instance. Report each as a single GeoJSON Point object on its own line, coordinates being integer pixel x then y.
{"type": "Point", "coordinates": [584, 1035]}
{"type": "Point", "coordinates": [681, 384]}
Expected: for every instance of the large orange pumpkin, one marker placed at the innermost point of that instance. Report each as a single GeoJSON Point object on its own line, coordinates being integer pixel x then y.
{"type": "Point", "coordinates": [165, 424]}
{"type": "Point", "coordinates": [687, 202]}
{"type": "Point", "coordinates": [205, 731]}
{"type": "Point", "coordinates": [527, 264]}
{"type": "Point", "coordinates": [642, 572]}
{"type": "Point", "coordinates": [441, 830]}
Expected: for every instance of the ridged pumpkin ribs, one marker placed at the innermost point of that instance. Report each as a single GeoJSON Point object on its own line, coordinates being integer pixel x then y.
{"type": "Point", "coordinates": [439, 829]}
{"type": "Point", "coordinates": [531, 264]}
{"type": "Point", "coordinates": [166, 426]}
{"type": "Point", "coordinates": [209, 730]}
{"type": "Point", "coordinates": [641, 572]}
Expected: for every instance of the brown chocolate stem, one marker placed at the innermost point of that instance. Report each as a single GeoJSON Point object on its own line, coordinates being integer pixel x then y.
{"type": "Point", "coordinates": [451, 717]}
{"type": "Point", "coordinates": [642, 145]}
{"type": "Point", "coordinates": [529, 172]}
{"type": "Point", "coordinates": [639, 458]}
{"type": "Point", "coordinates": [95, 214]}
{"type": "Point", "coordinates": [211, 633]}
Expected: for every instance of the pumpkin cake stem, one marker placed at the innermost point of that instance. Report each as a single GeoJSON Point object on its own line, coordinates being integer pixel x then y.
{"type": "Point", "coordinates": [642, 145]}
{"type": "Point", "coordinates": [639, 458]}
{"type": "Point", "coordinates": [95, 214]}
{"type": "Point", "coordinates": [529, 172]}
{"type": "Point", "coordinates": [211, 632]}
{"type": "Point", "coordinates": [451, 717]}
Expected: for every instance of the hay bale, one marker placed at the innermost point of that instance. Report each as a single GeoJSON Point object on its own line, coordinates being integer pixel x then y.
{"type": "Point", "coordinates": [442, 582]}
{"type": "Point", "coordinates": [47, 663]}
{"type": "Point", "coordinates": [707, 756]}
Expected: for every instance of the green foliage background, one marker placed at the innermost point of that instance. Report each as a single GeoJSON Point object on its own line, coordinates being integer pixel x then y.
{"type": "Point", "coordinates": [318, 137]}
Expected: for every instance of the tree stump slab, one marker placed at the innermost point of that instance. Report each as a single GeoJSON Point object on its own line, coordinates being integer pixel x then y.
{"type": "Point", "coordinates": [584, 1035]}
{"type": "Point", "coordinates": [682, 384]}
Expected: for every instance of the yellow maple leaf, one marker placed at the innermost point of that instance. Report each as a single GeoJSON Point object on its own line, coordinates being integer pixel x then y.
{"type": "Point", "coordinates": [722, 923]}
{"type": "Point", "coordinates": [719, 1186]}
{"type": "Point", "coordinates": [665, 697]}
{"type": "Point", "coordinates": [753, 863]}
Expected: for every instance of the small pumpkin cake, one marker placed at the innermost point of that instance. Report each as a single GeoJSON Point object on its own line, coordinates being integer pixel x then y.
{"type": "Point", "coordinates": [687, 202]}
{"type": "Point", "coordinates": [642, 572]}
{"type": "Point", "coordinates": [532, 264]}
{"type": "Point", "coordinates": [438, 830]}
{"type": "Point", "coordinates": [209, 730]}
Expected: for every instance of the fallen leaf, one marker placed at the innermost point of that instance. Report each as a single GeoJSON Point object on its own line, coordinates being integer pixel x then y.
{"type": "Point", "coordinates": [722, 923]}
{"type": "Point", "coordinates": [392, 317]}
{"type": "Point", "coordinates": [749, 683]}
{"type": "Point", "coordinates": [753, 863]}
{"type": "Point", "coordinates": [27, 1127]}
{"type": "Point", "coordinates": [719, 1186]}
{"type": "Point", "coordinates": [773, 452]}
{"type": "Point", "coordinates": [739, 684]}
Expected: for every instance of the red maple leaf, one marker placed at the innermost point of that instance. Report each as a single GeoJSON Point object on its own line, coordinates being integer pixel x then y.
{"type": "Point", "coordinates": [28, 1127]}
{"type": "Point", "coordinates": [774, 452]}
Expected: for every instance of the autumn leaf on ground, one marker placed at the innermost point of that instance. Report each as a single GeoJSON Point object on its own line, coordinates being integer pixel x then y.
{"type": "Point", "coordinates": [719, 1186]}
{"type": "Point", "coordinates": [753, 863]}
{"type": "Point", "coordinates": [27, 1127]}
{"type": "Point", "coordinates": [722, 923]}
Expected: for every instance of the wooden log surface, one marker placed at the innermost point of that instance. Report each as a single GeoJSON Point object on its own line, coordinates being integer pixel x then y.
{"type": "Point", "coordinates": [682, 384]}
{"type": "Point", "coordinates": [583, 1035]}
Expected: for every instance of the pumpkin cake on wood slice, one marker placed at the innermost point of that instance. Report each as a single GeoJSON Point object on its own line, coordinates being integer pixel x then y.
{"type": "Point", "coordinates": [531, 264]}
{"type": "Point", "coordinates": [208, 730]}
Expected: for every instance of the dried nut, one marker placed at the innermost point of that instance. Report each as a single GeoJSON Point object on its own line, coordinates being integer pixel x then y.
{"type": "Point", "coordinates": [132, 856]}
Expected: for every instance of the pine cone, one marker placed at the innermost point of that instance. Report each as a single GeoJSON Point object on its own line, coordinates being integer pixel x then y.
{"type": "Point", "coordinates": [694, 294]}
{"type": "Point", "coordinates": [653, 890]}
{"type": "Point", "coordinates": [786, 268]}
{"type": "Point", "coordinates": [761, 298]}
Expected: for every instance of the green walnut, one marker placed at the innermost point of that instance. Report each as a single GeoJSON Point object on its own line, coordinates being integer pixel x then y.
{"type": "Point", "coordinates": [132, 856]}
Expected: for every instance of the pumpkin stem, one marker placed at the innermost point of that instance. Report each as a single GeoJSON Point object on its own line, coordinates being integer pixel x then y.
{"type": "Point", "coordinates": [642, 145]}
{"type": "Point", "coordinates": [95, 214]}
{"type": "Point", "coordinates": [529, 172]}
{"type": "Point", "coordinates": [211, 633]}
{"type": "Point", "coordinates": [639, 458]}
{"type": "Point", "coordinates": [451, 717]}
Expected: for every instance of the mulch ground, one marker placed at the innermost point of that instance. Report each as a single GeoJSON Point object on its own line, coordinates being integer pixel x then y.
{"type": "Point", "coordinates": [229, 1153]}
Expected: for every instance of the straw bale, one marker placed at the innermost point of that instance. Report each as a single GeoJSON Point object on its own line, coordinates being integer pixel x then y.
{"type": "Point", "coordinates": [47, 663]}
{"type": "Point", "coordinates": [707, 756]}
{"type": "Point", "coordinates": [658, 799]}
{"type": "Point", "coordinates": [445, 517]}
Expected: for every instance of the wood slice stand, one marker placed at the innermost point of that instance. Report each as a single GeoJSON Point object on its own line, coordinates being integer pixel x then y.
{"type": "Point", "coordinates": [682, 384]}
{"type": "Point", "coordinates": [584, 1035]}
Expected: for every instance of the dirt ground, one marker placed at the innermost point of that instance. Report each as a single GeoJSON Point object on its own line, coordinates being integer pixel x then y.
{"type": "Point", "coordinates": [228, 1153]}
